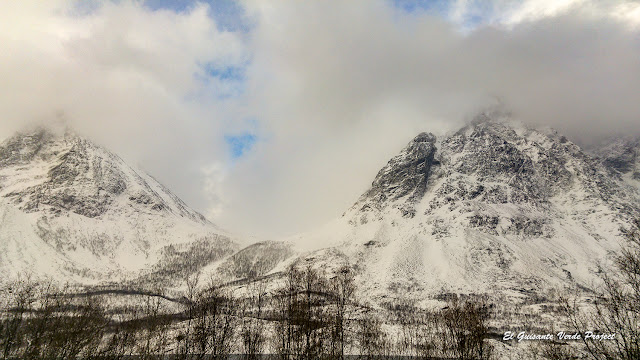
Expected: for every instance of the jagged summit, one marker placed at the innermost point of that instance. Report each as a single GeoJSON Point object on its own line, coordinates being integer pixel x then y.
{"type": "Point", "coordinates": [86, 211]}
{"type": "Point", "coordinates": [491, 162]}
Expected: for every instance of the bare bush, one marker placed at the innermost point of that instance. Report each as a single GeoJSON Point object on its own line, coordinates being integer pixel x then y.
{"type": "Point", "coordinates": [47, 324]}
{"type": "Point", "coordinates": [553, 350]}
{"type": "Point", "coordinates": [20, 295]}
{"type": "Point", "coordinates": [153, 323]}
{"type": "Point", "coordinates": [120, 341]}
{"type": "Point", "coordinates": [342, 288]}
{"type": "Point", "coordinates": [304, 328]}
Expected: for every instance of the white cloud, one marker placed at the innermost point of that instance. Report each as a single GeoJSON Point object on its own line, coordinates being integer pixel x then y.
{"type": "Point", "coordinates": [533, 10]}
{"type": "Point", "coordinates": [628, 12]}
{"type": "Point", "coordinates": [214, 175]}
{"type": "Point", "coordinates": [514, 12]}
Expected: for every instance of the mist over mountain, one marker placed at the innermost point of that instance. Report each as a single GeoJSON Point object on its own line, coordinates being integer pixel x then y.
{"type": "Point", "coordinates": [497, 207]}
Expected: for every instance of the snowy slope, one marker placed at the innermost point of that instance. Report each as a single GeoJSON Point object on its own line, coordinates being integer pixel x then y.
{"type": "Point", "coordinates": [621, 155]}
{"type": "Point", "coordinates": [495, 208]}
{"type": "Point", "coordinates": [72, 210]}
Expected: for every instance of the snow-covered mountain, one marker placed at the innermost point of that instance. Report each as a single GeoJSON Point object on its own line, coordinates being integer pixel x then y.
{"type": "Point", "coordinates": [72, 210]}
{"type": "Point", "coordinates": [495, 208]}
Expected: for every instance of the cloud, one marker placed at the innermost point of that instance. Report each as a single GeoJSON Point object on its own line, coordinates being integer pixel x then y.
{"type": "Point", "coordinates": [135, 79]}
{"type": "Point", "coordinates": [342, 86]}
{"type": "Point", "coordinates": [214, 175]}
{"type": "Point", "coordinates": [274, 118]}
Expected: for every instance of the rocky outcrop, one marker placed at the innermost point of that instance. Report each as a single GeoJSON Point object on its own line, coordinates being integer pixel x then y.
{"type": "Point", "coordinates": [404, 177]}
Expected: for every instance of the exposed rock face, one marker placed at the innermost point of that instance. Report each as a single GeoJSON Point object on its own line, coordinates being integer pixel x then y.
{"type": "Point", "coordinates": [493, 163]}
{"type": "Point", "coordinates": [405, 176]}
{"type": "Point", "coordinates": [85, 209]}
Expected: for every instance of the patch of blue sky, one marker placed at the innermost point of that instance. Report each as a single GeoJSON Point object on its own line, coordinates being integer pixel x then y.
{"type": "Point", "coordinates": [434, 7]}
{"type": "Point", "coordinates": [229, 15]}
{"type": "Point", "coordinates": [473, 21]}
{"type": "Point", "coordinates": [475, 13]}
{"type": "Point", "coordinates": [227, 73]}
{"type": "Point", "coordinates": [173, 5]}
{"type": "Point", "coordinates": [239, 145]}
{"type": "Point", "coordinates": [220, 81]}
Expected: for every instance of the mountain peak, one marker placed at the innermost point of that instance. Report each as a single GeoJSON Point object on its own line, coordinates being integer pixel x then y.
{"type": "Point", "coordinates": [495, 160]}
{"type": "Point", "coordinates": [34, 144]}
{"type": "Point", "coordinates": [494, 206]}
{"type": "Point", "coordinates": [423, 137]}
{"type": "Point", "coordinates": [63, 195]}
{"type": "Point", "coordinates": [55, 170]}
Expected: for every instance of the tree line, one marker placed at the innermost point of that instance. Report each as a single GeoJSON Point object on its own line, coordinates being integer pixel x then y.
{"type": "Point", "coordinates": [307, 316]}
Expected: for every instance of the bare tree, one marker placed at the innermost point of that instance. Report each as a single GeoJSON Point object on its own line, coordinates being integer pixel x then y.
{"type": "Point", "coordinates": [56, 326]}
{"type": "Point", "coordinates": [152, 336]}
{"type": "Point", "coordinates": [303, 330]}
{"type": "Point", "coordinates": [372, 340]}
{"type": "Point", "coordinates": [465, 327]}
{"type": "Point", "coordinates": [427, 336]}
{"type": "Point", "coordinates": [191, 283]}
{"type": "Point", "coordinates": [184, 344]}
{"type": "Point", "coordinates": [20, 296]}
{"type": "Point", "coordinates": [342, 288]}
{"type": "Point", "coordinates": [252, 329]}
{"type": "Point", "coordinates": [553, 350]}
{"type": "Point", "coordinates": [214, 323]}
{"type": "Point", "coordinates": [120, 342]}
{"type": "Point", "coordinates": [284, 305]}
{"type": "Point", "coordinates": [310, 314]}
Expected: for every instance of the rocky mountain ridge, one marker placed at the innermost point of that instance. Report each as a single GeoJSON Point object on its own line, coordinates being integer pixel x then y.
{"type": "Point", "coordinates": [496, 208]}
{"type": "Point", "coordinates": [73, 209]}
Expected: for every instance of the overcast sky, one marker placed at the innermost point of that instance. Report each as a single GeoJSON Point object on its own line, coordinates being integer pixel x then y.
{"type": "Point", "coordinates": [272, 117]}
